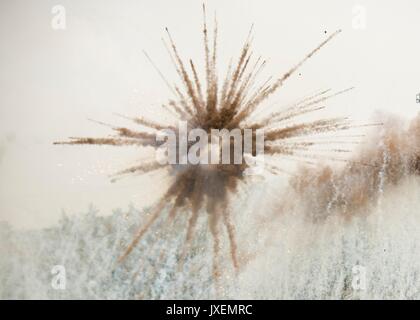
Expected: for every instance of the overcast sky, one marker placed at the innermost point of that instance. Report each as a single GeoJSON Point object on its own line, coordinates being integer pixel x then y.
{"type": "Point", "coordinates": [52, 81]}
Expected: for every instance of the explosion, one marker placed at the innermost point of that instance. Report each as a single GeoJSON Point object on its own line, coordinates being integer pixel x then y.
{"type": "Point", "coordinates": [228, 104]}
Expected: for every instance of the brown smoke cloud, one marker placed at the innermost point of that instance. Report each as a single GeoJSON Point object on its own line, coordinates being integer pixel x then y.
{"type": "Point", "coordinates": [386, 158]}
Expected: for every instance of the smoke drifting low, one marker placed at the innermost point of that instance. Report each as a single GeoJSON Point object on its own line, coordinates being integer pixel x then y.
{"type": "Point", "coordinates": [330, 222]}
{"type": "Point", "coordinates": [385, 159]}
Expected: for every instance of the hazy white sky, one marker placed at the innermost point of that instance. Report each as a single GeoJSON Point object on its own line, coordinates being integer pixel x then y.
{"type": "Point", "coordinates": [51, 81]}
